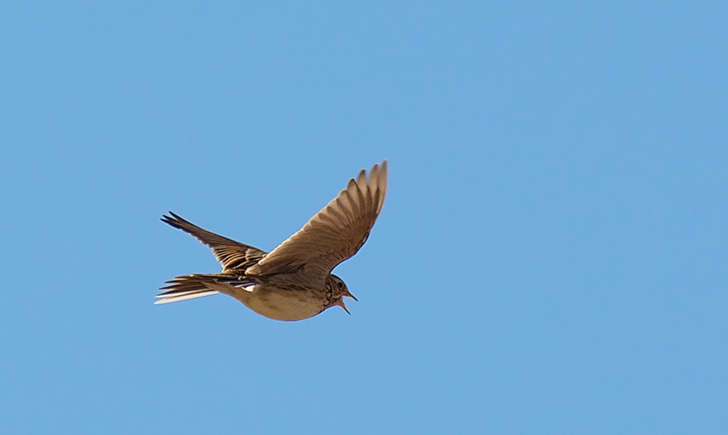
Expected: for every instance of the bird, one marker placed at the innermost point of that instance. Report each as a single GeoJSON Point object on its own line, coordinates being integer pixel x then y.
{"type": "Point", "coordinates": [294, 280]}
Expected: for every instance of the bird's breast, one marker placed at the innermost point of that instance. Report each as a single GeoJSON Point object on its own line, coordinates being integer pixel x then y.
{"type": "Point", "coordinates": [282, 304]}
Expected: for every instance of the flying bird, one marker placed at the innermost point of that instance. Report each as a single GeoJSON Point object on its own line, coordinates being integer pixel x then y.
{"type": "Point", "coordinates": [294, 280]}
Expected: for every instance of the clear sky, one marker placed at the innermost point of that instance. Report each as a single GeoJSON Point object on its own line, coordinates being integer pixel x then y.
{"type": "Point", "coordinates": [551, 257]}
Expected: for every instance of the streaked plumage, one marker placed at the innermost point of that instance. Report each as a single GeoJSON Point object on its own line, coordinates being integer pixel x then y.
{"type": "Point", "coordinates": [294, 280]}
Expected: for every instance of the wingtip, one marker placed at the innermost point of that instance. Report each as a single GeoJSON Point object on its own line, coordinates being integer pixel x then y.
{"type": "Point", "coordinates": [173, 219]}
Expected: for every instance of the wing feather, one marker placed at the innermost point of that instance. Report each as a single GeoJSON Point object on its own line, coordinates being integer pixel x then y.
{"type": "Point", "coordinates": [334, 234]}
{"type": "Point", "coordinates": [233, 255]}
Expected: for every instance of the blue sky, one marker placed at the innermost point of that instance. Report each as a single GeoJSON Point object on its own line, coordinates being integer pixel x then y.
{"type": "Point", "coordinates": [550, 258]}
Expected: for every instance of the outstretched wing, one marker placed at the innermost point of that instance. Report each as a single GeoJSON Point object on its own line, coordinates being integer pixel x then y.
{"type": "Point", "coordinates": [233, 255]}
{"type": "Point", "coordinates": [334, 234]}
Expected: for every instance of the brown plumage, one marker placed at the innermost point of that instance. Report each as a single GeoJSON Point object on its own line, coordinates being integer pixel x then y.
{"type": "Point", "coordinates": [294, 280]}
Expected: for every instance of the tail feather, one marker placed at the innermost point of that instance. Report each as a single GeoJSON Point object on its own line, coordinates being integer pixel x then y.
{"type": "Point", "coordinates": [183, 296]}
{"type": "Point", "coordinates": [197, 285]}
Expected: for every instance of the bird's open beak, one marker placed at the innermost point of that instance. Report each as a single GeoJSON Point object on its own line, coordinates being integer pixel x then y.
{"type": "Point", "coordinates": [341, 304]}
{"type": "Point", "coordinates": [348, 293]}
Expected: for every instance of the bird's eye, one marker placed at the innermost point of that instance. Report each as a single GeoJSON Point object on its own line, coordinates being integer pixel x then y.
{"type": "Point", "coordinates": [341, 285]}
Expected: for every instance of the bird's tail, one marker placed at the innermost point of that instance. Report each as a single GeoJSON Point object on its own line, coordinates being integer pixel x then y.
{"type": "Point", "coordinates": [197, 285]}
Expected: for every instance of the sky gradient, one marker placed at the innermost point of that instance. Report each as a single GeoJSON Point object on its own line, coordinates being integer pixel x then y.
{"type": "Point", "coordinates": [550, 259]}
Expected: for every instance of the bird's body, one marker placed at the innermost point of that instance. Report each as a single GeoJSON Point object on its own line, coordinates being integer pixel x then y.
{"type": "Point", "coordinates": [294, 281]}
{"type": "Point", "coordinates": [278, 297]}
{"type": "Point", "coordinates": [283, 304]}
{"type": "Point", "coordinates": [284, 301]}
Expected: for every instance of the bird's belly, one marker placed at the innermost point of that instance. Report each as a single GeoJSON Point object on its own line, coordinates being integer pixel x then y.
{"type": "Point", "coordinates": [282, 304]}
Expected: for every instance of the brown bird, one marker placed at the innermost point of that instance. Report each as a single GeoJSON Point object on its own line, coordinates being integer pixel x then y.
{"type": "Point", "coordinates": [293, 281]}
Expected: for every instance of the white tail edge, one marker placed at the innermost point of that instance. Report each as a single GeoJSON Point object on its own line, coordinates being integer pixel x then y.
{"type": "Point", "coordinates": [165, 299]}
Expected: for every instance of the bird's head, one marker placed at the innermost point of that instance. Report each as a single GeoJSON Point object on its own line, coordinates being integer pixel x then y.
{"type": "Point", "coordinates": [338, 292]}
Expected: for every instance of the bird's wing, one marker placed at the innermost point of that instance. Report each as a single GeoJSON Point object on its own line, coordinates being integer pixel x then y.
{"type": "Point", "coordinates": [334, 234]}
{"type": "Point", "coordinates": [233, 255]}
